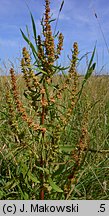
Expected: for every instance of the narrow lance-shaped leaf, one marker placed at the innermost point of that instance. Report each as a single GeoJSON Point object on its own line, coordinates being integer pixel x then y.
{"type": "Point", "coordinates": [33, 24]}
{"type": "Point", "coordinates": [34, 28]}
{"type": "Point", "coordinates": [60, 170]}
{"type": "Point", "coordinates": [25, 196]}
{"type": "Point", "coordinates": [27, 31]}
{"type": "Point", "coordinates": [52, 20]}
{"type": "Point", "coordinates": [33, 178]}
{"type": "Point", "coordinates": [90, 70]}
{"type": "Point", "coordinates": [66, 148]}
{"type": "Point", "coordinates": [37, 69]}
{"type": "Point", "coordinates": [60, 68]}
{"type": "Point", "coordinates": [43, 169]}
{"type": "Point", "coordinates": [30, 44]}
{"type": "Point", "coordinates": [56, 34]}
{"type": "Point", "coordinates": [54, 186]}
{"type": "Point", "coordinates": [91, 60]}
{"type": "Point", "coordinates": [40, 70]}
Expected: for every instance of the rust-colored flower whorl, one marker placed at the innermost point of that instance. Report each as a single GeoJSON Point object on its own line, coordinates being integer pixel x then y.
{"type": "Point", "coordinates": [49, 39]}
{"type": "Point", "coordinates": [60, 45]}
{"type": "Point", "coordinates": [28, 71]}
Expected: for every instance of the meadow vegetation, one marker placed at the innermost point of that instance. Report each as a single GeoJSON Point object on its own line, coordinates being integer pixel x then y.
{"type": "Point", "coordinates": [54, 124]}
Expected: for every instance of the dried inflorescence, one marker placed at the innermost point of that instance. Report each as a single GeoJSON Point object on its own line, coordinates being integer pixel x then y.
{"type": "Point", "coordinates": [71, 85]}
{"type": "Point", "coordinates": [72, 70]}
{"type": "Point", "coordinates": [29, 76]}
{"type": "Point", "coordinates": [40, 52]}
{"type": "Point", "coordinates": [74, 62]}
{"type": "Point", "coordinates": [12, 115]}
{"type": "Point", "coordinates": [60, 45]}
{"type": "Point", "coordinates": [25, 73]}
{"type": "Point", "coordinates": [9, 99]}
{"type": "Point", "coordinates": [49, 39]}
{"type": "Point", "coordinates": [84, 138]}
{"type": "Point", "coordinates": [46, 52]}
{"type": "Point", "coordinates": [20, 107]}
{"type": "Point", "coordinates": [73, 76]}
{"type": "Point", "coordinates": [79, 153]}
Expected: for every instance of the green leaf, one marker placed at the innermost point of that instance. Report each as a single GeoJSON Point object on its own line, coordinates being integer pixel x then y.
{"type": "Point", "coordinates": [56, 34]}
{"type": "Point", "coordinates": [27, 31]}
{"type": "Point", "coordinates": [30, 44]}
{"type": "Point", "coordinates": [25, 196]}
{"type": "Point", "coordinates": [34, 27]}
{"type": "Point", "coordinates": [23, 169]}
{"type": "Point", "coordinates": [52, 20]}
{"type": "Point", "coordinates": [39, 69]}
{"type": "Point", "coordinates": [27, 94]}
{"type": "Point", "coordinates": [33, 178]}
{"type": "Point", "coordinates": [9, 184]}
{"type": "Point", "coordinates": [1, 194]}
{"type": "Point", "coordinates": [43, 169]}
{"type": "Point", "coordinates": [58, 67]}
{"type": "Point", "coordinates": [60, 170]}
{"type": "Point", "coordinates": [92, 57]}
{"type": "Point", "coordinates": [89, 71]}
{"type": "Point", "coordinates": [66, 148]}
{"type": "Point", "coordinates": [21, 192]}
{"type": "Point", "coordinates": [14, 185]}
{"type": "Point", "coordinates": [54, 186]}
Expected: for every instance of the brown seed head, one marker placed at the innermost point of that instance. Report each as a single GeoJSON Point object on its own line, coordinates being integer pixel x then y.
{"type": "Point", "coordinates": [60, 45]}
{"type": "Point", "coordinates": [49, 39]}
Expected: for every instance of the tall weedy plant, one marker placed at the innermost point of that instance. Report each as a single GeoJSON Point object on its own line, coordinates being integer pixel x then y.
{"type": "Point", "coordinates": [53, 99]}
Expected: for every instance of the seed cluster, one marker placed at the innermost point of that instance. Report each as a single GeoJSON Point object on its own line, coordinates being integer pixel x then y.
{"type": "Point", "coordinates": [12, 115]}
{"type": "Point", "coordinates": [29, 76]}
{"type": "Point", "coordinates": [40, 52]}
{"type": "Point", "coordinates": [19, 105]}
{"type": "Point", "coordinates": [59, 45]}
{"type": "Point", "coordinates": [49, 39]}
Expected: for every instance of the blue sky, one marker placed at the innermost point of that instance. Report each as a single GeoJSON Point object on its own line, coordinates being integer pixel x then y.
{"type": "Point", "coordinates": [77, 23]}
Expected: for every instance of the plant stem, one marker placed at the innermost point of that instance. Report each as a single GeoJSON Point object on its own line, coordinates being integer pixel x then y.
{"type": "Point", "coordinates": [42, 160]}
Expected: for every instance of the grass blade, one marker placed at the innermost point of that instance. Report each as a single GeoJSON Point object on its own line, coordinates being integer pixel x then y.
{"type": "Point", "coordinates": [90, 71]}
{"type": "Point", "coordinates": [54, 186]}
{"type": "Point", "coordinates": [30, 44]}
{"type": "Point", "coordinates": [67, 148]}
{"type": "Point", "coordinates": [61, 6]}
{"type": "Point", "coordinates": [92, 57]}
{"type": "Point", "coordinates": [34, 28]}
